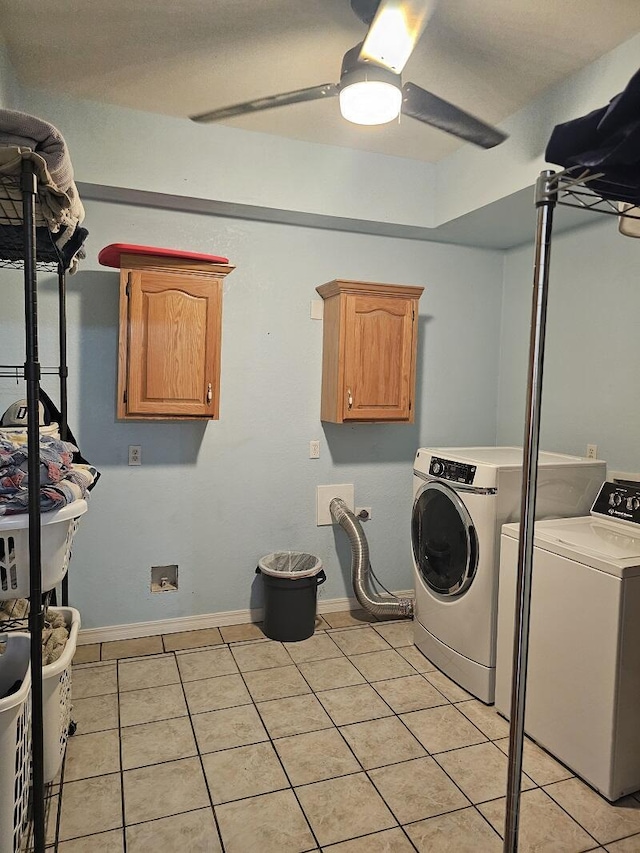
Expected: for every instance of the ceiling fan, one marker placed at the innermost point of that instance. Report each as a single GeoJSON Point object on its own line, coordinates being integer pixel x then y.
{"type": "Point", "coordinates": [370, 87]}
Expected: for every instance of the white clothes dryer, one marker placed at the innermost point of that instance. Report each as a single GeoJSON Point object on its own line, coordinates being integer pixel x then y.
{"type": "Point", "coordinates": [583, 675]}
{"type": "Point", "coordinates": [462, 497]}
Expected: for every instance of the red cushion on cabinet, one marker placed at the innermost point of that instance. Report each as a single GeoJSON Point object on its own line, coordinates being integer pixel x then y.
{"type": "Point", "coordinates": [110, 255]}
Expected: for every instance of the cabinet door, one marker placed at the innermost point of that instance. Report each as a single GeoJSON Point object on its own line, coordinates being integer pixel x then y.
{"type": "Point", "coordinates": [379, 358]}
{"type": "Point", "coordinates": [174, 329]}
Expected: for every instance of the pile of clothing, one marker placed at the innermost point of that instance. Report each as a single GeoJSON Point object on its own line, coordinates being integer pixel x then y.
{"type": "Point", "coordinates": [606, 143]}
{"type": "Point", "coordinates": [61, 479]}
{"type": "Point", "coordinates": [60, 210]}
{"type": "Point", "coordinates": [54, 635]}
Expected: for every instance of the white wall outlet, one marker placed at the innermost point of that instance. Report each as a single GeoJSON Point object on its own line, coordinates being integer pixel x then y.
{"type": "Point", "coordinates": [363, 513]}
{"type": "Point", "coordinates": [324, 496]}
{"type": "Point", "coordinates": [314, 448]}
{"type": "Point", "coordinates": [317, 309]}
{"type": "Point", "coordinates": [592, 451]}
{"type": "Point", "coordinates": [135, 454]}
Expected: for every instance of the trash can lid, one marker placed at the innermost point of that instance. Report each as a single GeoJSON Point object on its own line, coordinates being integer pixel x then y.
{"type": "Point", "coordinates": [291, 564]}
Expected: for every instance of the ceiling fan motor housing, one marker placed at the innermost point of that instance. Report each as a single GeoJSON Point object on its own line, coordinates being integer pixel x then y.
{"type": "Point", "coordinates": [355, 70]}
{"type": "Point", "coordinates": [365, 9]}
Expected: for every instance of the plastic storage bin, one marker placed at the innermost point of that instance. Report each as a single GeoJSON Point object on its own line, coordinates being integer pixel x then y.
{"type": "Point", "coordinates": [56, 697]}
{"type": "Point", "coordinates": [291, 580]}
{"type": "Point", "coordinates": [15, 740]}
{"type": "Point", "coordinates": [57, 528]}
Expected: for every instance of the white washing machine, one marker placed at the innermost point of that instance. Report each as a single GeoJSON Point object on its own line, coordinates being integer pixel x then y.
{"type": "Point", "coordinates": [462, 497]}
{"type": "Point", "coordinates": [583, 679]}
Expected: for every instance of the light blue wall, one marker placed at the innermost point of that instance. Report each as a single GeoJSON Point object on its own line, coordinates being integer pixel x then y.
{"type": "Point", "coordinates": [9, 90]}
{"type": "Point", "coordinates": [591, 378]}
{"type": "Point", "coordinates": [472, 178]}
{"type": "Point", "coordinates": [122, 147]}
{"type": "Point", "coordinates": [214, 498]}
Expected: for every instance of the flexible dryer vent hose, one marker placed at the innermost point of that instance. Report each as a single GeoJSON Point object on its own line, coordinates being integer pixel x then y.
{"type": "Point", "coordinates": [372, 602]}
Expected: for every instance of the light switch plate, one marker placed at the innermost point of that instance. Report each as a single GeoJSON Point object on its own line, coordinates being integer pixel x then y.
{"type": "Point", "coordinates": [324, 496]}
{"type": "Point", "coordinates": [317, 309]}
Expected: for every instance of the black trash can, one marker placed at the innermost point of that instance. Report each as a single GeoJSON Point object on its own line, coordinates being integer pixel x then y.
{"type": "Point", "coordinates": [290, 580]}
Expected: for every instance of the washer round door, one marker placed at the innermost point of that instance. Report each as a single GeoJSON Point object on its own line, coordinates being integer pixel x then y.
{"type": "Point", "coordinates": [445, 546]}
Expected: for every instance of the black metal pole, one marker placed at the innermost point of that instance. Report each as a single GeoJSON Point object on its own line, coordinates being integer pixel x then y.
{"type": "Point", "coordinates": [63, 370]}
{"type": "Point", "coordinates": [545, 202]}
{"type": "Point", "coordinates": [36, 613]}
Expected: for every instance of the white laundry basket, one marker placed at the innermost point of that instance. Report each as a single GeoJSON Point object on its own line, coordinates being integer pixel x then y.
{"type": "Point", "coordinates": [57, 531]}
{"type": "Point", "coordinates": [15, 740]}
{"type": "Point", "coordinates": [56, 697]}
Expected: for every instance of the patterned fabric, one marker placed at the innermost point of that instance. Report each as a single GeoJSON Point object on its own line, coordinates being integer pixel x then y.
{"type": "Point", "coordinates": [61, 480]}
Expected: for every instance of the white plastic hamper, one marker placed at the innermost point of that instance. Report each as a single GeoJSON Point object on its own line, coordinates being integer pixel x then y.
{"type": "Point", "coordinates": [57, 531]}
{"type": "Point", "coordinates": [15, 741]}
{"type": "Point", "coordinates": [56, 697]}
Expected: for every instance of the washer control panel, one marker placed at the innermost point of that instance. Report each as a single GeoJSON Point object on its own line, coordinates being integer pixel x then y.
{"type": "Point", "coordinates": [619, 502]}
{"type": "Point", "coordinates": [447, 469]}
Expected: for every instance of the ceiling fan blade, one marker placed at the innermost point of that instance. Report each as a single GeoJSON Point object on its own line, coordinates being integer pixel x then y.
{"type": "Point", "coordinates": [313, 93]}
{"type": "Point", "coordinates": [428, 108]}
{"type": "Point", "coordinates": [394, 32]}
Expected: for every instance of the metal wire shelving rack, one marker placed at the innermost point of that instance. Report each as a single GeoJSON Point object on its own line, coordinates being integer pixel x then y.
{"type": "Point", "coordinates": [26, 246]}
{"type": "Point", "coordinates": [574, 187]}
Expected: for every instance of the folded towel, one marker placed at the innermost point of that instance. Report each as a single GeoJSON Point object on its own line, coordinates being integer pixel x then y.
{"type": "Point", "coordinates": [23, 136]}
{"type": "Point", "coordinates": [57, 207]}
{"type": "Point", "coordinates": [27, 131]}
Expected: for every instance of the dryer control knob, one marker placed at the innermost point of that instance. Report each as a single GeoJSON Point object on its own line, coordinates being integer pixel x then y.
{"type": "Point", "coordinates": [617, 499]}
{"type": "Point", "coordinates": [437, 468]}
{"type": "Point", "coordinates": [635, 503]}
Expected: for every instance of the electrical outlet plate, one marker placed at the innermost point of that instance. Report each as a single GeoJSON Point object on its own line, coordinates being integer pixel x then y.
{"type": "Point", "coordinates": [592, 451]}
{"type": "Point", "coordinates": [135, 454]}
{"type": "Point", "coordinates": [324, 496]}
{"type": "Point", "coordinates": [314, 448]}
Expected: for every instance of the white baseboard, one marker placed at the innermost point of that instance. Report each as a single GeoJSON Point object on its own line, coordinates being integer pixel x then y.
{"type": "Point", "coordinates": [207, 620]}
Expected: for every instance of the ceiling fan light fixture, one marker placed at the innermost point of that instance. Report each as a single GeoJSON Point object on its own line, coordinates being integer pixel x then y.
{"type": "Point", "coordinates": [370, 102]}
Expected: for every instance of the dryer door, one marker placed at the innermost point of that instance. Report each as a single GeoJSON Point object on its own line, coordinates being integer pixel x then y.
{"type": "Point", "coordinates": [445, 546]}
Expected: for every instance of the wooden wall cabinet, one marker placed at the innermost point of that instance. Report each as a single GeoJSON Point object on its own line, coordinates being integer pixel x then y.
{"type": "Point", "coordinates": [170, 338]}
{"type": "Point", "coordinates": [369, 351]}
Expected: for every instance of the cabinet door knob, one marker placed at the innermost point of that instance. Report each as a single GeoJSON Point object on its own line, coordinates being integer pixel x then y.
{"type": "Point", "coordinates": [349, 398]}
{"type": "Point", "coordinates": [209, 393]}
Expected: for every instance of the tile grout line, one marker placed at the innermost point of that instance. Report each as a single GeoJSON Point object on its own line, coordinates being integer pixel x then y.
{"type": "Point", "coordinates": [575, 819]}
{"type": "Point", "coordinates": [366, 773]}
{"type": "Point", "coordinates": [200, 761]}
{"type": "Point", "coordinates": [372, 684]}
{"type": "Point", "coordinates": [123, 805]}
{"type": "Point", "coordinates": [284, 770]}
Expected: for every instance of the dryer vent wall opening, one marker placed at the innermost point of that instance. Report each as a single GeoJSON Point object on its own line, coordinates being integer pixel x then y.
{"type": "Point", "coordinates": [371, 601]}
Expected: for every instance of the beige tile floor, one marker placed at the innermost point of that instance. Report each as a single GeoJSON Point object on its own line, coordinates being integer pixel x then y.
{"type": "Point", "coordinates": [349, 742]}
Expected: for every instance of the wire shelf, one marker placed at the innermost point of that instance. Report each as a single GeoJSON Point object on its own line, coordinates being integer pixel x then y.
{"type": "Point", "coordinates": [16, 371]}
{"type": "Point", "coordinates": [570, 188]}
{"type": "Point", "coordinates": [12, 245]}
{"type": "Point", "coordinates": [22, 624]}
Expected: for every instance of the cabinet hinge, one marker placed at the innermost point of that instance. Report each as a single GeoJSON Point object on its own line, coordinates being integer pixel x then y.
{"type": "Point", "coordinates": [124, 397]}
{"type": "Point", "coordinates": [128, 288]}
{"type": "Point", "coordinates": [413, 313]}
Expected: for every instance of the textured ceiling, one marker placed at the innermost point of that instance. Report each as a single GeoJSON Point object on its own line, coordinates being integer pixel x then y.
{"type": "Point", "coordinates": [187, 56]}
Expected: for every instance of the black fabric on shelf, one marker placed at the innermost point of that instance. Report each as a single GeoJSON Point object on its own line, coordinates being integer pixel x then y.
{"type": "Point", "coordinates": [51, 414]}
{"type": "Point", "coordinates": [605, 141]}
{"type": "Point", "coordinates": [12, 244]}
